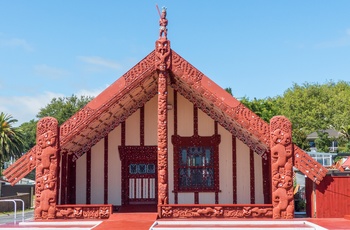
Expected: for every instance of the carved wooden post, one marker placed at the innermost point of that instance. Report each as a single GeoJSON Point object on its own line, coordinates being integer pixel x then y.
{"type": "Point", "coordinates": [281, 167]}
{"type": "Point", "coordinates": [162, 64]}
{"type": "Point", "coordinates": [46, 168]}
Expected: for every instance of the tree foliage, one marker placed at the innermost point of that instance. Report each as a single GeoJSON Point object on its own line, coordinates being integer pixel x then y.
{"type": "Point", "coordinates": [11, 138]}
{"type": "Point", "coordinates": [63, 108]}
{"type": "Point", "coordinates": [310, 107]}
{"type": "Point", "coordinates": [264, 108]}
{"type": "Point", "coordinates": [29, 133]}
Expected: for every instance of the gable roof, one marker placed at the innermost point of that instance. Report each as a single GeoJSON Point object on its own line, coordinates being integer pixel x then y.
{"type": "Point", "coordinates": [137, 86]}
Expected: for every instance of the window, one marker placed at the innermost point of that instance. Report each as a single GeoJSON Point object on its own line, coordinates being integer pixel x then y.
{"type": "Point", "coordinates": [324, 159]}
{"type": "Point", "coordinates": [196, 168]}
{"type": "Point", "coordinates": [196, 163]}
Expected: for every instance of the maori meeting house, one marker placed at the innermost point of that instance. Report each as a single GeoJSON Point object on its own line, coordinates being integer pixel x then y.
{"type": "Point", "coordinates": [165, 135]}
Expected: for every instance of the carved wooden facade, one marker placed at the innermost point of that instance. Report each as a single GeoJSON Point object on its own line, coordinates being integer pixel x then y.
{"type": "Point", "coordinates": [59, 148]}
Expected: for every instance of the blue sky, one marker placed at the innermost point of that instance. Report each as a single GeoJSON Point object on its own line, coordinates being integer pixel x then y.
{"type": "Point", "coordinates": [258, 48]}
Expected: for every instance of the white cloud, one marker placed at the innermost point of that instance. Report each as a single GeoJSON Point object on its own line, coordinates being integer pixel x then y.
{"type": "Point", "coordinates": [48, 71]}
{"type": "Point", "coordinates": [25, 108]}
{"type": "Point", "coordinates": [99, 61]}
{"type": "Point", "coordinates": [85, 92]}
{"type": "Point", "coordinates": [16, 42]}
{"type": "Point", "coordinates": [339, 42]}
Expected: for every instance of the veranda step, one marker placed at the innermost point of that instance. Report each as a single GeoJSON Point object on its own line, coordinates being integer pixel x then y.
{"type": "Point", "coordinates": [225, 225]}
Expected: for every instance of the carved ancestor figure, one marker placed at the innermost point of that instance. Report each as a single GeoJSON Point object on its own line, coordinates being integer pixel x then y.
{"type": "Point", "coordinates": [47, 142]}
{"type": "Point", "coordinates": [46, 168]}
{"type": "Point", "coordinates": [279, 153]}
{"type": "Point", "coordinates": [282, 198]}
{"type": "Point", "coordinates": [162, 60]}
{"type": "Point", "coordinates": [45, 203]}
{"type": "Point", "coordinates": [281, 167]}
{"type": "Point", "coordinates": [163, 22]}
{"type": "Point", "coordinates": [162, 187]}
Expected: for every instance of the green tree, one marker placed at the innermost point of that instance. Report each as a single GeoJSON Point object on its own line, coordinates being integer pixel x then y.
{"type": "Point", "coordinates": [310, 107]}
{"type": "Point", "coordinates": [314, 107]}
{"type": "Point", "coordinates": [323, 142]}
{"type": "Point", "coordinates": [59, 108]}
{"type": "Point", "coordinates": [63, 108]}
{"type": "Point", "coordinates": [29, 132]}
{"type": "Point", "coordinates": [264, 108]}
{"type": "Point", "coordinates": [229, 90]}
{"type": "Point", "coordinates": [11, 139]}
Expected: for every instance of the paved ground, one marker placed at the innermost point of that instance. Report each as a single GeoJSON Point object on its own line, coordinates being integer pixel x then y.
{"type": "Point", "coordinates": [9, 217]}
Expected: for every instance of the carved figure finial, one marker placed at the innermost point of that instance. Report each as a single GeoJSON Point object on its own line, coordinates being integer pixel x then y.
{"type": "Point", "coordinates": [163, 22]}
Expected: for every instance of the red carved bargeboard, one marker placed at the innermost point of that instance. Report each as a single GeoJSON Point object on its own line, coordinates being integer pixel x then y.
{"type": "Point", "coordinates": [230, 211]}
{"type": "Point", "coordinates": [91, 211]}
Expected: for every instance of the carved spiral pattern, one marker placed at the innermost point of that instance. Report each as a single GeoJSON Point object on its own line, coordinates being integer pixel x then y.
{"type": "Point", "coordinates": [231, 212]}
{"type": "Point", "coordinates": [146, 65]}
{"type": "Point", "coordinates": [282, 168]}
{"type": "Point", "coordinates": [162, 139]}
{"type": "Point", "coordinates": [83, 211]}
{"type": "Point", "coordinates": [46, 168]}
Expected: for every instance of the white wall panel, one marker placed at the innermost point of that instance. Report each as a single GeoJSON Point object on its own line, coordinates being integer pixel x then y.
{"type": "Point", "coordinates": [97, 173]}
{"type": "Point", "coordinates": [184, 116]}
{"type": "Point", "coordinates": [243, 173]}
{"type": "Point", "coordinates": [151, 121]}
{"type": "Point", "coordinates": [259, 194]}
{"type": "Point", "coordinates": [205, 124]}
{"type": "Point", "coordinates": [114, 167]}
{"type": "Point", "coordinates": [225, 166]}
{"type": "Point", "coordinates": [132, 129]}
{"type": "Point", "coordinates": [186, 198]}
{"type": "Point", "coordinates": [206, 198]}
{"type": "Point", "coordinates": [170, 146]}
{"type": "Point", "coordinates": [81, 180]}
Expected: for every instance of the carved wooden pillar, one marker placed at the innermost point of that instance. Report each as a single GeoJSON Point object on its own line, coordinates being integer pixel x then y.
{"type": "Point", "coordinates": [162, 62]}
{"type": "Point", "coordinates": [281, 167]}
{"type": "Point", "coordinates": [46, 168]}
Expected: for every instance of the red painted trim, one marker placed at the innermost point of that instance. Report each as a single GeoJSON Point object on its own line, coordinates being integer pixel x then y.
{"type": "Point", "coordinates": [123, 134]}
{"type": "Point", "coordinates": [71, 172]}
{"type": "Point", "coordinates": [196, 197]}
{"type": "Point", "coordinates": [88, 177]}
{"type": "Point", "coordinates": [59, 177]}
{"type": "Point", "coordinates": [142, 126]}
{"type": "Point", "coordinates": [252, 177]}
{"type": "Point", "coordinates": [234, 170]}
{"type": "Point", "coordinates": [106, 170]}
{"type": "Point", "coordinates": [175, 134]}
{"type": "Point", "coordinates": [175, 112]}
{"type": "Point", "coordinates": [195, 120]}
{"type": "Point", "coordinates": [266, 179]}
{"type": "Point", "coordinates": [74, 182]}
{"type": "Point", "coordinates": [64, 179]}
